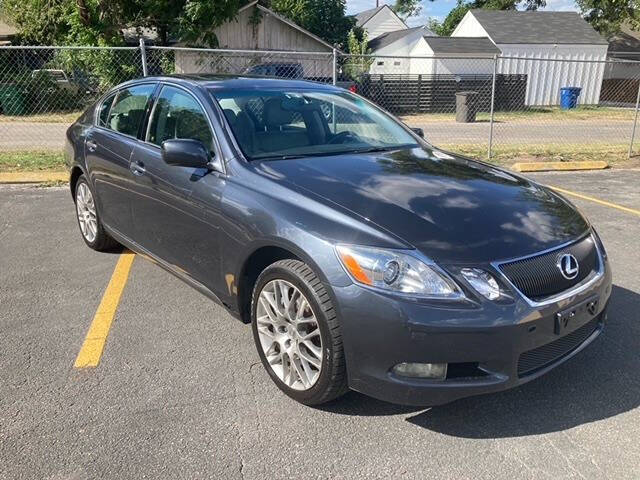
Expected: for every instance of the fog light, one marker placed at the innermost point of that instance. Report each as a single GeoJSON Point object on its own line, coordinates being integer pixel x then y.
{"type": "Point", "coordinates": [437, 371]}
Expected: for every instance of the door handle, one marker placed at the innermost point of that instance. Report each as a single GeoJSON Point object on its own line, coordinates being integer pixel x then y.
{"type": "Point", "coordinates": [137, 168]}
{"type": "Point", "coordinates": [91, 145]}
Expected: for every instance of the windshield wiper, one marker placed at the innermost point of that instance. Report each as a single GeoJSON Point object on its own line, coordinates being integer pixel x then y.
{"type": "Point", "coordinates": [382, 149]}
{"type": "Point", "coordinates": [329, 154]}
{"type": "Point", "coordinates": [301, 155]}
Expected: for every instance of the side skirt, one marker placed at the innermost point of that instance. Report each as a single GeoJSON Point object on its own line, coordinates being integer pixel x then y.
{"type": "Point", "coordinates": [133, 246]}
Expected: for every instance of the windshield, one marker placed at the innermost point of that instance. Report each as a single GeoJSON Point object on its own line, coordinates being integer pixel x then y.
{"type": "Point", "coordinates": [298, 123]}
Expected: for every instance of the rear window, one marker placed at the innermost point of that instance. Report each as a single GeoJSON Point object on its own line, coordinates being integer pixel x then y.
{"type": "Point", "coordinates": [103, 112]}
{"type": "Point", "coordinates": [128, 109]}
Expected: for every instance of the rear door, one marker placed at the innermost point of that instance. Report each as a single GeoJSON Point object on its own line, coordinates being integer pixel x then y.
{"type": "Point", "coordinates": [108, 148]}
{"type": "Point", "coordinates": [168, 223]}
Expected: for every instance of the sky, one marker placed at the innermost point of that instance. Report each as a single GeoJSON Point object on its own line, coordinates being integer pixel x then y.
{"type": "Point", "coordinates": [440, 8]}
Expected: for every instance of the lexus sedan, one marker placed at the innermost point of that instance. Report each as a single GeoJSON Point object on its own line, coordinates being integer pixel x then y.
{"type": "Point", "coordinates": [363, 257]}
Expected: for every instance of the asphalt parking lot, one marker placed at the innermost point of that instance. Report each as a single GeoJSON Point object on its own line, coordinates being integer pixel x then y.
{"type": "Point", "coordinates": [180, 393]}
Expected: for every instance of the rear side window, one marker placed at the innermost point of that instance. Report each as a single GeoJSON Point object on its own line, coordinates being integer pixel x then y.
{"type": "Point", "coordinates": [127, 112]}
{"type": "Point", "coordinates": [103, 113]}
{"type": "Point", "coordinates": [177, 115]}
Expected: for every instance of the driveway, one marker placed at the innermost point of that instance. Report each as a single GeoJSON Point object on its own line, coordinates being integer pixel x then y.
{"type": "Point", "coordinates": [513, 133]}
{"type": "Point", "coordinates": [32, 136]}
{"type": "Point", "coordinates": [180, 391]}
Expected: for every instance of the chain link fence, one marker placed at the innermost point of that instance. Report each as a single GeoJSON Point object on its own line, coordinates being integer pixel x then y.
{"type": "Point", "coordinates": [503, 108]}
{"type": "Point", "coordinates": [44, 89]}
{"type": "Point", "coordinates": [506, 108]}
{"type": "Point", "coordinates": [428, 93]}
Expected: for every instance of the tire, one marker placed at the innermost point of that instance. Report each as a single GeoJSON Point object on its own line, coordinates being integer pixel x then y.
{"type": "Point", "coordinates": [95, 237]}
{"type": "Point", "coordinates": [331, 380]}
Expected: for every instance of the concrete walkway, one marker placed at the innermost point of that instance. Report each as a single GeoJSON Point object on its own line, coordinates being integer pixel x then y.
{"type": "Point", "coordinates": [36, 136]}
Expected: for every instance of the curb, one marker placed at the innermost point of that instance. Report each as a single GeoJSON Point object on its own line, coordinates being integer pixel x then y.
{"type": "Point", "coordinates": [33, 177]}
{"type": "Point", "coordinates": [558, 166]}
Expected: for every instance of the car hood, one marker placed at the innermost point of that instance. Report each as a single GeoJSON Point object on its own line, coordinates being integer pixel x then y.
{"type": "Point", "coordinates": [452, 209]}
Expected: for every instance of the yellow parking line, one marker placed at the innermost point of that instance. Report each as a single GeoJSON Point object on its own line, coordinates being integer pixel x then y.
{"type": "Point", "coordinates": [596, 200]}
{"type": "Point", "coordinates": [91, 351]}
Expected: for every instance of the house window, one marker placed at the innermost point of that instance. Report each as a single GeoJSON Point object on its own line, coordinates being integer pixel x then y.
{"type": "Point", "coordinates": [397, 63]}
{"type": "Point", "coordinates": [380, 63]}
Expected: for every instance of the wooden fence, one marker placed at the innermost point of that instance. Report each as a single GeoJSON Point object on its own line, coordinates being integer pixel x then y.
{"type": "Point", "coordinates": [403, 94]}
{"type": "Point", "coordinates": [619, 91]}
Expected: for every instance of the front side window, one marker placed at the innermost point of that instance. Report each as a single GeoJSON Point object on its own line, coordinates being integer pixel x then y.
{"type": "Point", "coordinates": [177, 115]}
{"type": "Point", "coordinates": [127, 112]}
{"type": "Point", "coordinates": [281, 124]}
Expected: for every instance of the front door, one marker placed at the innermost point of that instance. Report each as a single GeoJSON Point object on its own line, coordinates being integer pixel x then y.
{"type": "Point", "coordinates": [168, 222]}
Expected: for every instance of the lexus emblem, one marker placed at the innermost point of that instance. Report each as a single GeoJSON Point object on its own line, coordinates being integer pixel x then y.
{"type": "Point", "coordinates": [568, 266]}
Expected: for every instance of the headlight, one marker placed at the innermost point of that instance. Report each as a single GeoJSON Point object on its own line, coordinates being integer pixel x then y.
{"type": "Point", "coordinates": [599, 243]}
{"type": "Point", "coordinates": [396, 271]}
{"type": "Point", "coordinates": [483, 282]}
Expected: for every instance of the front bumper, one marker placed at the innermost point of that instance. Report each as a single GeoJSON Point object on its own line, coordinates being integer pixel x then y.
{"type": "Point", "coordinates": [483, 342]}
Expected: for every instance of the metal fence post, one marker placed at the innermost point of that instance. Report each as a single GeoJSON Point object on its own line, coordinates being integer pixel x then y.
{"type": "Point", "coordinates": [334, 75]}
{"type": "Point", "coordinates": [493, 99]}
{"type": "Point", "coordinates": [143, 56]}
{"type": "Point", "coordinates": [635, 120]}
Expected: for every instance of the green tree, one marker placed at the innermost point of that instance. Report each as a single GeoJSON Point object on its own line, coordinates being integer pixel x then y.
{"type": "Point", "coordinates": [101, 22]}
{"type": "Point", "coordinates": [324, 18]}
{"type": "Point", "coordinates": [606, 16]}
{"type": "Point", "coordinates": [294, 10]}
{"type": "Point", "coordinates": [451, 21]}
{"type": "Point", "coordinates": [356, 66]}
{"type": "Point", "coordinates": [407, 8]}
{"type": "Point", "coordinates": [37, 23]}
{"type": "Point", "coordinates": [199, 17]}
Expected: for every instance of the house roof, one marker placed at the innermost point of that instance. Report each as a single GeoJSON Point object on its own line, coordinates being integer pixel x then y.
{"type": "Point", "coordinates": [390, 37]}
{"type": "Point", "coordinates": [625, 44]}
{"type": "Point", "coordinates": [285, 20]}
{"type": "Point", "coordinates": [512, 26]}
{"type": "Point", "coordinates": [444, 45]}
{"type": "Point", "coordinates": [363, 17]}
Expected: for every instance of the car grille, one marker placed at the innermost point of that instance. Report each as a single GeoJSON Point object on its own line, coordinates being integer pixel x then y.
{"type": "Point", "coordinates": [538, 277]}
{"type": "Point", "coordinates": [545, 355]}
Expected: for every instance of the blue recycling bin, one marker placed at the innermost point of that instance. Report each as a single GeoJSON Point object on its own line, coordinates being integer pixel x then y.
{"type": "Point", "coordinates": [569, 97]}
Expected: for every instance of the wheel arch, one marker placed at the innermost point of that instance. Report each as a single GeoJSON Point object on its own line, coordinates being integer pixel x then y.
{"type": "Point", "coordinates": [259, 259]}
{"type": "Point", "coordinates": [260, 256]}
{"type": "Point", "coordinates": [76, 172]}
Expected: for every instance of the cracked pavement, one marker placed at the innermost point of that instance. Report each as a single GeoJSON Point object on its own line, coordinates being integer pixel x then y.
{"type": "Point", "coordinates": [180, 392]}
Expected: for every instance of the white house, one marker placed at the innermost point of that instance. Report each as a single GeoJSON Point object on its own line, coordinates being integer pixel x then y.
{"type": "Point", "coordinates": [399, 44]}
{"type": "Point", "coordinates": [418, 51]}
{"type": "Point", "coordinates": [379, 20]}
{"type": "Point", "coordinates": [7, 32]}
{"type": "Point", "coordinates": [552, 48]}
{"type": "Point", "coordinates": [272, 32]}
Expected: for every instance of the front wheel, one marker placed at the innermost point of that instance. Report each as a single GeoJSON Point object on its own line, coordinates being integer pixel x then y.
{"type": "Point", "coordinates": [297, 334]}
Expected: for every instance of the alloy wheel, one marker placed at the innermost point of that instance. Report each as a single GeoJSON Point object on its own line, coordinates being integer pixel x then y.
{"type": "Point", "coordinates": [86, 210]}
{"type": "Point", "coordinates": [289, 334]}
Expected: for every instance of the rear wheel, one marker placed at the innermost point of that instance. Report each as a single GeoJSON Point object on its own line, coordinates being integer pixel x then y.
{"type": "Point", "coordinates": [297, 334]}
{"type": "Point", "coordinates": [91, 229]}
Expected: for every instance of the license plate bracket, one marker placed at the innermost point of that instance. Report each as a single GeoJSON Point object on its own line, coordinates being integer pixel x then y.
{"type": "Point", "coordinates": [575, 316]}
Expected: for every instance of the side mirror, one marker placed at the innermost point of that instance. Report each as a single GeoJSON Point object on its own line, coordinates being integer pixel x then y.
{"type": "Point", "coordinates": [418, 131]}
{"type": "Point", "coordinates": [185, 153]}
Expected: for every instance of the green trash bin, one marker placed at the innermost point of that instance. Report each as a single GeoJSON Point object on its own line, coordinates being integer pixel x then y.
{"type": "Point", "coordinates": [12, 101]}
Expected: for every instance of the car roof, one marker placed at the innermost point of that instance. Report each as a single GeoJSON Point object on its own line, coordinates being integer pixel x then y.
{"type": "Point", "coordinates": [224, 82]}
